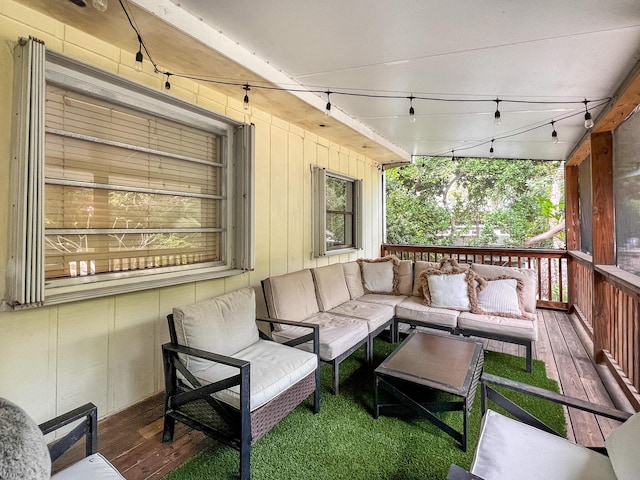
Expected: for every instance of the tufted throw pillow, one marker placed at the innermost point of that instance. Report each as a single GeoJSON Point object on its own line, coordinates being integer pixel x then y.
{"type": "Point", "coordinates": [23, 449]}
{"type": "Point", "coordinates": [450, 286]}
{"type": "Point", "coordinates": [380, 275]}
{"type": "Point", "coordinates": [502, 297]}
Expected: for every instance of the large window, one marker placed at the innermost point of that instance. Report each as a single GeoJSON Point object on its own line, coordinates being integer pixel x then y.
{"type": "Point", "coordinates": [138, 189]}
{"type": "Point", "coordinates": [337, 203]}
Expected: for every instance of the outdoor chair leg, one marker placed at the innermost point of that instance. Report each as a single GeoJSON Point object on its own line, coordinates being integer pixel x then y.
{"type": "Point", "coordinates": [169, 427]}
{"type": "Point", "coordinates": [336, 377]}
{"type": "Point", "coordinates": [529, 358]}
{"type": "Point", "coordinates": [316, 393]}
{"type": "Point", "coordinates": [245, 459]}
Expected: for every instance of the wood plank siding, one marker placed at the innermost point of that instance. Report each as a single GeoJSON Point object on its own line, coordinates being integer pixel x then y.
{"type": "Point", "coordinates": [131, 439]}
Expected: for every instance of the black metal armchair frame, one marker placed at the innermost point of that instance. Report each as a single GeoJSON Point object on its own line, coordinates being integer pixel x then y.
{"type": "Point", "coordinates": [489, 393]}
{"type": "Point", "coordinates": [88, 429]}
{"type": "Point", "coordinates": [193, 404]}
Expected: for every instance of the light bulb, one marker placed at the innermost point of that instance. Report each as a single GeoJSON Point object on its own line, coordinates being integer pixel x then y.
{"type": "Point", "coordinates": [245, 103]}
{"type": "Point", "coordinates": [139, 58]}
{"type": "Point", "coordinates": [491, 155]}
{"type": "Point", "coordinates": [327, 110]}
{"type": "Point", "coordinates": [167, 84]}
{"type": "Point", "coordinates": [554, 137]}
{"type": "Point", "coordinates": [100, 5]}
{"type": "Point", "coordinates": [496, 118]}
{"type": "Point", "coordinates": [412, 115]}
{"type": "Point", "coordinates": [588, 121]}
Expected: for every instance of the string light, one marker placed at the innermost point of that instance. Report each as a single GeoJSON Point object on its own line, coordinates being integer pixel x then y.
{"type": "Point", "coordinates": [491, 155]}
{"type": "Point", "coordinates": [588, 121]}
{"type": "Point", "coordinates": [245, 103]}
{"type": "Point", "coordinates": [139, 57]}
{"type": "Point", "coordinates": [412, 112]}
{"type": "Point", "coordinates": [496, 116]}
{"type": "Point", "coordinates": [167, 84]}
{"type": "Point", "coordinates": [327, 110]}
{"type": "Point", "coordinates": [554, 134]}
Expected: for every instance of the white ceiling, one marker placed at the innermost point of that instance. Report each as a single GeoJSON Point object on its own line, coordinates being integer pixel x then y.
{"type": "Point", "coordinates": [543, 50]}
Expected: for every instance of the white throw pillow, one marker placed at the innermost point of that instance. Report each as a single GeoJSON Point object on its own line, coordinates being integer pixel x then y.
{"type": "Point", "coordinates": [380, 275]}
{"type": "Point", "coordinates": [449, 291]}
{"type": "Point", "coordinates": [500, 297]}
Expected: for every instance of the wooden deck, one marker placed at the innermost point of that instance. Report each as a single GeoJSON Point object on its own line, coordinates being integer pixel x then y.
{"type": "Point", "coordinates": [131, 439]}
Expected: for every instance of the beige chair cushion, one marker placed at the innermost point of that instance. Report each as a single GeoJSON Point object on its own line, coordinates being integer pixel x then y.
{"type": "Point", "coordinates": [94, 467]}
{"type": "Point", "coordinates": [526, 329]}
{"type": "Point", "coordinates": [511, 450]}
{"type": "Point", "coordinates": [224, 325]}
{"type": "Point", "coordinates": [291, 296]}
{"type": "Point", "coordinates": [413, 308]}
{"type": "Point", "coordinates": [405, 277]}
{"type": "Point", "coordinates": [274, 368]}
{"type": "Point", "coordinates": [528, 276]}
{"type": "Point", "coordinates": [353, 277]}
{"type": "Point", "coordinates": [337, 333]}
{"type": "Point", "coordinates": [374, 314]}
{"type": "Point", "coordinates": [622, 447]}
{"type": "Point", "coordinates": [331, 286]}
{"type": "Point", "coordinates": [391, 300]}
{"type": "Point", "coordinates": [419, 267]}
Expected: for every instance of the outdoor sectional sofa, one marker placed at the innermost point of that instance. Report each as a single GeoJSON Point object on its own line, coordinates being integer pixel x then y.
{"type": "Point", "coordinates": [354, 302]}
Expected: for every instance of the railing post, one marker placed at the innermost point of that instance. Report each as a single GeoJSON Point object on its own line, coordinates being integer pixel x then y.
{"type": "Point", "coordinates": [572, 225]}
{"type": "Point", "coordinates": [602, 235]}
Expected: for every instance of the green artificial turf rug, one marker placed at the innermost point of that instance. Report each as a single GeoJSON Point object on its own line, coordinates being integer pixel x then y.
{"type": "Point", "coordinates": [344, 441]}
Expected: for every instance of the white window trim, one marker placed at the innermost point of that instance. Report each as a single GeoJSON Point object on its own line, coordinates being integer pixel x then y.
{"type": "Point", "coordinates": [239, 242]}
{"type": "Point", "coordinates": [319, 218]}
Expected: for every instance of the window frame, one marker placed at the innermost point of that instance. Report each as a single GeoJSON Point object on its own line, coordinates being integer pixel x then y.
{"type": "Point", "coordinates": [237, 155]}
{"type": "Point", "coordinates": [319, 222]}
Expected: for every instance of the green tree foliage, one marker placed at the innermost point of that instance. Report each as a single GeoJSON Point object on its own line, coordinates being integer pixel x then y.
{"type": "Point", "coordinates": [472, 201]}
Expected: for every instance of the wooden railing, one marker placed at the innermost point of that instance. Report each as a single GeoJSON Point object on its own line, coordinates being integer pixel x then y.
{"type": "Point", "coordinates": [551, 265]}
{"type": "Point", "coordinates": [581, 288]}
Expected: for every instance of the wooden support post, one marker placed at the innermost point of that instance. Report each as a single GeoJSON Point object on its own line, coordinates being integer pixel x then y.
{"type": "Point", "coordinates": [572, 225]}
{"type": "Point", "coordinates": [603, 235]}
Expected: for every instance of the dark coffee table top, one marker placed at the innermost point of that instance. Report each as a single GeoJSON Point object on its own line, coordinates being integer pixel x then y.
{"type": "Point", "coordinates": [444, 362]}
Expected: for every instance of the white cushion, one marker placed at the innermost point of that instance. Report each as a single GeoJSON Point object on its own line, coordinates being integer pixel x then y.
{"type": "Point", "coordinates": [418, 268]}
{"type": "Point", "coordinates": [291, 296]}
{"type": "Point", "coordinates": [224, 325]}
{"type": "Point", "coordinates": [374, 314]}
{"type": "Point", "coordinates": [94, 467]}
{"type": "Point", "coordinates": [622, 447]}
{"type": "Point", "coordinates": [353, 277]}
{"type": "Point", "coordinates": [449, 291]}
{"type": "Point", "coordinates": [500, 296]}
{"type": "Point", "coordinates": [528, 276]}
{"type": "Point", "coordinates": [274, 368]}
{"type": "Point", "coordinates": [511, 450]}
{"type": "Point", "coordinates": [337, 333]}
{"type": "Point", "coordinates": [385, 299]}
{"type": "Point", "coordinates": [413, 308]}
{"type": "Point", "coordinates": [331, 286]}
{"type": "Point", "coordinates": [526, 329]}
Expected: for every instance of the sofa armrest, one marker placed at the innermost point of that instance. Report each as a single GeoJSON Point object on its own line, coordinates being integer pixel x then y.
{"type": "Point", "coordinates": [88, 429]}
{"type": "Point", "coordinates": [459, 473]}
{"type": "Point", "coordinates": [489, 393]}
{"type": "Point", "coordinates": [313, 336]}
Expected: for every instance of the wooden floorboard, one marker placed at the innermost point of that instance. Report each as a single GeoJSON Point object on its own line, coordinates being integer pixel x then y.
{"type": "Point", "coordinates": [132, 439]}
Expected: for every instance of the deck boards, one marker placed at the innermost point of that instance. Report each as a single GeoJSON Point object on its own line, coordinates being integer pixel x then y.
{"type": "Point", "coordinates": [131, 439]}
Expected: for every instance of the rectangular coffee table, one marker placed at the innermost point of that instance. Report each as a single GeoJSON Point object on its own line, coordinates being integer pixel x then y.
{"type": "Point", "coordinates": [425, 361]}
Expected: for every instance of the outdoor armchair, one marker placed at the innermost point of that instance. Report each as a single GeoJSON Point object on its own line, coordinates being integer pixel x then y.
{"type": "Point", "coordinates": [226, 377]}
{"type": "Point", "coordinates": [527, 449]}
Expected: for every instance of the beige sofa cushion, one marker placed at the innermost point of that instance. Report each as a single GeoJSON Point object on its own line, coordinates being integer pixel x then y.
{"type": "Point", "coordinates": [331, 286]}
{"type": "Point", "coordinates": [224, 325]}
{"type": "Point", "coordinates": [291, 296]}
{"type": "Point", "coordinates": [509, 450]}
{"type": "Point", "coordinates": [353, 277]}
{"type": "Point", "coordinates": [528, 276]}
{"type": "Point", "coordinates": [413, 308]}
{"type": "Point", "coordinates": [337, 333]}
{"type": "Point", "coordinates": [95, 467]}
{"type": "Point", "coordinates": [274, 368]}
{"type": "Point", "coordinates": [622, 448]}
{"type": "Point", "coordinates": [526, 329]}
{"type": "Point", "coordinates": [405, 277]}
{"type": "Point", "coordinates": [391, 300]}
{"type": "Point", "coordinates": [374, 314]}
